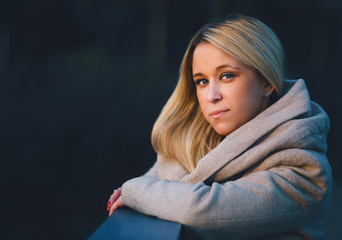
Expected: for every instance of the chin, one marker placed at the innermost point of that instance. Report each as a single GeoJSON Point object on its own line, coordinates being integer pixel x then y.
{"type": "Point", "coordinates": [223, 131]}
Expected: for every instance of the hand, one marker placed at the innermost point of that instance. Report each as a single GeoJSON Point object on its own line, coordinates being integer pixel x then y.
{"type": "Point", "coordinates": [115, 201]}
{"type": "Point", "coordinates": [118, 203]}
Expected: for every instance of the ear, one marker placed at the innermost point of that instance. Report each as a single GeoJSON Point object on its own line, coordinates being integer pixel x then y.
{"type": "Point", "coordinates": [268, 88]}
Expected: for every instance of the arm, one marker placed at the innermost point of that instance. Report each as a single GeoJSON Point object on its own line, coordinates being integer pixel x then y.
{"type": "Point", "coordinates": [265, 202]}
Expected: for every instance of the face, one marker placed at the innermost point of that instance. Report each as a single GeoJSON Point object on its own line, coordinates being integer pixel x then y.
{"type": "Point", "coordinates": [229, 92]}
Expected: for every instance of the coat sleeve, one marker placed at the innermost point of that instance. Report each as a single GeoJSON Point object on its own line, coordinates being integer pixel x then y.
{"type": "Point", "coordinates": [264, 202]}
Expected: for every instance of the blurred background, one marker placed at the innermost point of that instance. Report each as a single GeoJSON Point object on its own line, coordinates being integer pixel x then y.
{"type": "Point", "coordinates": [83, 81]}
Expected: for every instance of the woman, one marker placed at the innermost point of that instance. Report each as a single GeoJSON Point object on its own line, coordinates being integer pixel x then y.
{"type": "Point", "coordinates": [241, 152]}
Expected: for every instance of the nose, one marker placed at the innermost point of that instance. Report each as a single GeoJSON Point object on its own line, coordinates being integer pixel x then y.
{"type": "Point", "coordinates": [214, 93]}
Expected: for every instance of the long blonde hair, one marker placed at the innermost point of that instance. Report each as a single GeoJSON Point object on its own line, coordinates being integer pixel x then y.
{"type": "Point", "coordinates": [181, 132]}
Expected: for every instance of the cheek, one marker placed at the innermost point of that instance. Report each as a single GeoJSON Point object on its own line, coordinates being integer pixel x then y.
{"type": "Point", "coordinates": [251, 103]}
{"type": "Point", "coordinates": [234, 97]}
{"type": "Point", "coordinates": [201, 98]}
{"type": "Point", "coordinates": [243, 100]}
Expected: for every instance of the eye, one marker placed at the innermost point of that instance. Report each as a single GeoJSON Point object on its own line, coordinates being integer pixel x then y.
{"type": "Point", "coordinates": [227, 75]}
{"type": "Point", "coordinates": [201, 81]}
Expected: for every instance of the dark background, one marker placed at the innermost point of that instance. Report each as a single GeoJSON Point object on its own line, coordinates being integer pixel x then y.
{"type": "Point", "coordinates": [82, 83]}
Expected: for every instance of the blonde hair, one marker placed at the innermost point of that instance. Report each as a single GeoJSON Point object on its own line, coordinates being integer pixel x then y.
{"type": "Point", "coordinates": [181, 132]}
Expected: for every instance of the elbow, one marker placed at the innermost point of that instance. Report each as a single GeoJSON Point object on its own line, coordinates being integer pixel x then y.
{"type": "Point", "coordinates": [198, 208]}
{"type": "Point", "coordinates": [193, 217]}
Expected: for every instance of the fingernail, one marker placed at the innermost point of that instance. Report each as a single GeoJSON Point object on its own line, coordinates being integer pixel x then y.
{"type": "Point", "coordinates": [108, 205]}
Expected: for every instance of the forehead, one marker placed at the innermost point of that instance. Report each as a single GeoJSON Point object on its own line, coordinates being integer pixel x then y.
{"type": "Point", "coordinates": [206, 56]}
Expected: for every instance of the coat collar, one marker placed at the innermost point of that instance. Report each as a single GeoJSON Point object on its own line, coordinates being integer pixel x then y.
{"type": "Point", "coordinates": [294, 102]}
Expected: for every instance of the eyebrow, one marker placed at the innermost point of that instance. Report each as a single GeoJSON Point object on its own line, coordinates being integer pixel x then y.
{"type": "Point", "coordinates": [226, 65]}
{"type": "Point", "coordinates": [217, 68]}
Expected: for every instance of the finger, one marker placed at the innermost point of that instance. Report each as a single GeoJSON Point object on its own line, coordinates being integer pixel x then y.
{"type": "Point", "coordinates": [119, 202]}
{"type": "Point", "coordinates": [116, 205]}
{"type": "Point", "coordinates": [116, 194]}
{"type": "Point", "coordinates": [113, 208]}
{"type": "Point", "coordinates": [111, 200]}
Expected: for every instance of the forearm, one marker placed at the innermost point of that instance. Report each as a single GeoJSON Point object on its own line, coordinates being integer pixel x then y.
{"type": "Point", "coordinates": [161, 198]}
{"type": "Point", "coordinates": [234, 207]}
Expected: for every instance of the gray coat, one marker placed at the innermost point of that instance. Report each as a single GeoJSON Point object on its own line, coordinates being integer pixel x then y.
{"type": "Point", "coordinates": [269, 179]}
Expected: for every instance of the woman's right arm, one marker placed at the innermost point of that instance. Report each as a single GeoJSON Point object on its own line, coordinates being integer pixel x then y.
{"type": "Point", "coordinates": [265, 202]}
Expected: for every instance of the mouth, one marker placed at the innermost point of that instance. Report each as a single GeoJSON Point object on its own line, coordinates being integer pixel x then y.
{"type": "Point", "coordinates": [217, 114]}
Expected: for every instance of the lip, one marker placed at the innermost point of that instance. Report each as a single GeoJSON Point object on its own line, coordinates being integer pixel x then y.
{"type": "Point", "coordinates": [218, 113]}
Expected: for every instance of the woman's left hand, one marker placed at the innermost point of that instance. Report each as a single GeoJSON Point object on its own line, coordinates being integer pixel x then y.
{"type": "Point", "coordinates": [118, 203]}
{"type": "Point", "coordinates": [115, 201]}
